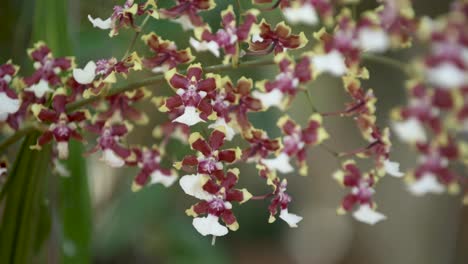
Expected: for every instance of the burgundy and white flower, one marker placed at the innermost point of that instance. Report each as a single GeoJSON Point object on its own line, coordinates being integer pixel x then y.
{"type": "Point", "coordinates": [47, 70]}
{"type": "Point", "coordinates": [124, 16]}
{"type": "Point", "coordinates": [109, 142]}
{"type": "Point", "coordinates": [245, 103]}
{"type": "Point", "coordinates": [9, 101]}
{"type": "Point", "coordinates": [361, 191]}
{"type": "Point", "coordinates": [228, 37]}
{"type": "Point", "coordinates": [185, 12]}
{"type": "Point", "coordinates": [166, 55]}
{"type": "Point", "coordinates": [63, 126]}
{"type": "Point", "coordinates": [223, 100]}
{"type": "Point", "coordinates": [296, 142]}
{"type": "Point", "coordinates": [281, 201]}
{"type": "Point", "coordinates": [174, 130]}
{"type": "Point", "coordinates": [191, 95]}
{"type": "Point", "coordinates": [281, 91]}
{"type": "Point", "coordinates": [265, 39]}
{"type": "Point", "coordinates": [210, 157]}
{"type": "Point", "coordinates": [371, 36]}
{"type": "Point", "coordinates": [106, 70]}
{"type": "Point", "coordinates": [261, 146]}
{"type": "Point", "coordinates": [218, 194]}
{"type": "Point", "coordinates": [149, 162]}
{"type": "Point", "coordinates": [121, 107]}
{"type": "Point", "coordinates": [434, 174]}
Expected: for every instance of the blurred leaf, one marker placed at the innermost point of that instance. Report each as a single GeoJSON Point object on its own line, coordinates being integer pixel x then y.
{"type": "Point", "coordinates": [75, 209]}
{"type": "Point", "coordinates": [19, 229]}
{"type": "Point", "coordinates": [51, 26]}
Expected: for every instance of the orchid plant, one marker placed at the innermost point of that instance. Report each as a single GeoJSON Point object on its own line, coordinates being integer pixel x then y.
{"type": "Point", "coordinates": [208, 110]}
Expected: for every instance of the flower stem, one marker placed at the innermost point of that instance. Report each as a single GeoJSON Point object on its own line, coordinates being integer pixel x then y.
{"type": "Point", "coordinates": [135, 37]}
{"type": "Point", "coordinates": [157, 78]}
{"type": "Point", "coordinates": [388, 62]}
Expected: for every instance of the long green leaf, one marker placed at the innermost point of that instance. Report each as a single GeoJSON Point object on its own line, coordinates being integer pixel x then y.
{"type": "Point", "coordinates": [23, 203]}
{"type": "Point", "coordinates": [51, 17]}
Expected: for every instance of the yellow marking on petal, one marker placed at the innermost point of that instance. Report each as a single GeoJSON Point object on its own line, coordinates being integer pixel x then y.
{"type": "Point", "coordinates": [169, 74]}
{"type": "Point", "coordinates": [191, 212]}
{"type": "Point", "coordinates": [246, 194]}
{"type": "Point", "coordinates": [303, 40]}
{"type": "Point", "coordinates": [303, 170]}
{"type": "Point", "coordinates": [238, 152]}
{"type": "Point", "coordinates": [143, 120]}
{"type": "Point", "coordinates": [453, 188]}
{"type": "Point", "coordinates": [136, 187]}
{"type": "Point", "coordinates": [194, 137]}
{"type": "Point", "coordinates": [260, 85]}
{"type": "Point", "coordinates": [340, 211]}
{"type": "Point", "coordinates": [234, 226]}
{"type": "Point", "coordinates": [157, 132]}
{"type": "Point", "coordinates": [36, 109]}
{"type": "Point", "coordinates": [213, 116]}
{"type": "Point", "coordinates": [177, 165]}
{"type": "Point", "coordinates": [271, 219]}
{"type": "Point", "coordinates": [339, 177]}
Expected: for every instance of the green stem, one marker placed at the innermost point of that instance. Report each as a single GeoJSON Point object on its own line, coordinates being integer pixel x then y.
{"type": "Point", "coordinates": [159, 77]}
{"type": "Point", "coordinates": [388, 62]}
{"type": "Point", "coordinates": [135, 37]}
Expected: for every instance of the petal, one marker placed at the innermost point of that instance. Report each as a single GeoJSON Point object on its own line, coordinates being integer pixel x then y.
{"type": "Point", "coordinates": [229, 130]}
{"type": "Point", "coordinates": [112, 159]}
{"type": "Point", "coordinates": [8, 105]}
{"type": "Point", "coordinates": [301, 14]}
{"type": "Point", "coordinates": [62, 149]}
{"type": "Point", "coordinates": [273, 98]}
{"type": "Point", "coordinates": [280, 163]}
{"type": "Point", "coordinates": [39, 89]}
{"type": "Point", "coordinates": [209, 225]}
{"type": "Point", "coordinates": [332, 62]}
{"type": "Point", "coordinates": [410, 131]}
{"type": "Point", "coordinates": [373, 40]}
{"type": "Point", "coordinates": [393, 168]}
{"type": "Point", "coordinates": [99, 23]}
{"type": "Point", "coordinates": [190, 117]}
{"type": "Point", "coordinates": [289, 218]}
{"type": "Point", "coordinates": [211, 46]}
{"type": "Point", "coordinates": [85, 75]}
{"type": "Point", "coordinates": [193, 185]}
{"type": "Point", "coordinates": [366, 215]}
{"type": "Point", "coordinates": [447, 75]}
{"type": "Point", "coordinates": [428, 183]}
{"type": "Point", "coordinates": [159, 177]}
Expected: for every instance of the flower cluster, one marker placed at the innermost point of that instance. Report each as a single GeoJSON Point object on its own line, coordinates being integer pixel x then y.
{"type": "Point", "coordinates": [435, 116]}
{"type": "Point", "coordinates": [211, 112]}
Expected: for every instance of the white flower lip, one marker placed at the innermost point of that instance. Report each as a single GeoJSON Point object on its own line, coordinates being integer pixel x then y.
{"type": "Point", "coordinates": [39, 89]}
{"type": "Point", "coordinates": [190, 117]}
{"type": "Point", "coordinates": [393, 168]}
{"type": "Point", "coordinates": [332, 62]}
{"type": "Point", "coordinates": [428, 183]}
{"type": "Point", "coordinates": [99, 23]}
{"type": "Point", "coordinates": [272, 98]}
{"type": "Point", "coordinates": [192, 185]}
{"type": "Point", "coordinates": [447, 75]}
{"type": "Point", "coordinates": [366, 215]}
{"type": "Point", "coordinates": [373, 40]}
{"type": "Point", "coordinates": [305, 14]}
{"type": "Point", "coordinates": [166, 180]}
{"type": "Point", "coordinates": [280, 163]}
{"type": "Point", "coordinates": [85, 75]}
{"type": "Point", "coordinates": [8, 105]}
{"type": "Point", "coordinates": [291, 219]}
{"type": "Point", "coordinates": [210, 46]}
{"type": "Point", "coordinates": [112, 159]}
{"type": "Point", "coordinates": [209, 225]}
{"type": "Point", "coordinates": [410, 131]}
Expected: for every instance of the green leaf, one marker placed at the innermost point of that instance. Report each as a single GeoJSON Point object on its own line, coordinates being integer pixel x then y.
{"type": "Point", "coordinates": [51, 22]}
{"type": "Point", "coordinates": [23, 198]}
{"type": "Point", "coordinates": [75, 209]}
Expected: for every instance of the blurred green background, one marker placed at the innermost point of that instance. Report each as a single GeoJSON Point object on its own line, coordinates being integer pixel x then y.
{"type": "Point", "coordinates": [151, 227]}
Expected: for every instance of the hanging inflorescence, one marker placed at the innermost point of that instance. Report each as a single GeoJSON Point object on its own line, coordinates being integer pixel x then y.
{"type": "Point", "coordinates": [209, 111]}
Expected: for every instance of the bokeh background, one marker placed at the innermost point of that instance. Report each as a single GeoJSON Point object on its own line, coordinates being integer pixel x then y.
{"type": "Point", "coordinates": [150, 226]}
